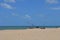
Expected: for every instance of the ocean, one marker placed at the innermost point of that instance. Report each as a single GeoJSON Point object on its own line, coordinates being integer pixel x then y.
{"type": "Point", "coordinates": [25, 27]}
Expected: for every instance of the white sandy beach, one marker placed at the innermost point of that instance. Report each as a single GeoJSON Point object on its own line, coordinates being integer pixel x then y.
{"type": "Point", "coordinates": [31, 34]}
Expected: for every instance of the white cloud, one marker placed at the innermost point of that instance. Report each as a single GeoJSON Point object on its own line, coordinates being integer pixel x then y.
{"type": "Point", "coordinates": [52, 1]}
{"type": "Point", "coordinates": [55, 8]}
{"type": "Point", "coordinates": [27, 16]}
{"type": "Point", "coordinates": [14, 14]}
{"type": "Point", "coordinates": [5, 5]}
{"type": "Point", "coordinates": [13, 1]}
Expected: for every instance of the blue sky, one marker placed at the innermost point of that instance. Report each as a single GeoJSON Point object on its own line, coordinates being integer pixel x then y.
{"type": "Point", "coordinates": [28, 12]}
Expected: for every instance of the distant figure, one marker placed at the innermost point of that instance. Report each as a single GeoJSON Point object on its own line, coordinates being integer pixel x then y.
{"type": "Point", "coordinates": [57, 27]}
{"type": "Point", "coordinates": [37, 26]}
{"type": "Point", "coordinates": [42, 28]}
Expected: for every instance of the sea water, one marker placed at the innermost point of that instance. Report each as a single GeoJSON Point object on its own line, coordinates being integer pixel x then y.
{"type": "Point", "coordinates": [25, 27]}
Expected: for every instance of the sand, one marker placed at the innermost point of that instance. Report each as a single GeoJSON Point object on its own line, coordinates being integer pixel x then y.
{"type": "Point", "coordinates": [31, 34]}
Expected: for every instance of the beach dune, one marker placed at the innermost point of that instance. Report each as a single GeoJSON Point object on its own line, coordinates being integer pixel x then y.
{"type": "Point", "coordinates": [31, 34]}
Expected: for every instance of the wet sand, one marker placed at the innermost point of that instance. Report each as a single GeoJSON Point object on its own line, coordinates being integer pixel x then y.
{"type": "Point", "coordinates": [31, 34]}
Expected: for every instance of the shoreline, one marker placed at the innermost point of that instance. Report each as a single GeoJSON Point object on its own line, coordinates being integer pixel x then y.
{"type": "Point", "coordinates": [23, 28]}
